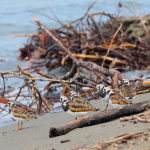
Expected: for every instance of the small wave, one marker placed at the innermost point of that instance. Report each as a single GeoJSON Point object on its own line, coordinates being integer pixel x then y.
{"type": "Point", "coordinates": [7, 24]}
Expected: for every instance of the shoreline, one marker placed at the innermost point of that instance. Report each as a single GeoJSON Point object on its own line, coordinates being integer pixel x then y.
{"type": "Point", "coordinates": [35, 133]}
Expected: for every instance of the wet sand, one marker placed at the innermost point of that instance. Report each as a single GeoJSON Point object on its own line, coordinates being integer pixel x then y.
{"type": "Point", "coordinates": [35, 133]}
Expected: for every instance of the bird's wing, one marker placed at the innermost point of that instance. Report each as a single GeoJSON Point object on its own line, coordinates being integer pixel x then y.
{"type": "Point", "coordinates": [118, 99]}
{"type": "Point", "coordinates": [128, 91]}
{"type": "Point", "coordinates": [123, 101]}
{"type": "Point", "coordinates": [78, 98]}
{"type": "Point", "coordinates": [83, 101]}
{"type": "Point", "coordinates": [21, 113]}
{"type": "Point", "coordinates": [76, 107]}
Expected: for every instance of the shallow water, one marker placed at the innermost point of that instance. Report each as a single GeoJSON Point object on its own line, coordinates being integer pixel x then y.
{"type": "Point", "coordinates": [16, 18]}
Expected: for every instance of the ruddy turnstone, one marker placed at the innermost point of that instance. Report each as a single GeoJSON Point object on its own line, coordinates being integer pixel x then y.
{"type": "Point", "coordinates": [78, 99]}
{"type": "Point", "coordinates": [73, 108]}
{"type": "Point", "coordinates": [19, 114]}
{"type": "Point", "coordinates": [116, 100]}
{"type": "Point", "coordinates": [127, 90]}
{"type": "Point", "coordinates": [102, 94]}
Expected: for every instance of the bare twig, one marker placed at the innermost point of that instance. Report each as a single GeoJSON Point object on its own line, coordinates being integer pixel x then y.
{"type": "Point", "coordinates": [141, 19]}
{"type": "Point", "coordinates": [41, 97]}
{"type": "Point", "coordinates": [111, 44]}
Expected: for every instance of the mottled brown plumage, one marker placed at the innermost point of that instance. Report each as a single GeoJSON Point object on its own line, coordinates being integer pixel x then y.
{"type": "Point", "coordinates": [21, 113]}
{"type": "Point", "coordinates": [116, 92]}
{"type": "Point", "coordinates": [77, 107]}
{"type": "Point", "coordinates": [118, 99]}
{"type": "Point", "coordinates": [82, 101]}
{"type": "Point", "coordinates": [127, 91]}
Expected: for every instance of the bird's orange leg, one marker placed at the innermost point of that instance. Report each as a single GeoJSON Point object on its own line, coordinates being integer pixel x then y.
{"type": "Point", "coordinates": [18, 127]}
{"type": "Point", "coordinates": [81, 116]}
{"type": "Point", "coordinates": [105, 108]}
{"type": "Point", "coordinates": [21, 125]}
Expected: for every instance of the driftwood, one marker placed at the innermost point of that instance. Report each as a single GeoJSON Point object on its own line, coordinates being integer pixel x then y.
{"type": "Point", "coordinates": [41, 97]}
{"type": "Point", "coordinates": [100, 117]}
{"type": "Point", "coordinates": [122, 138]}
{"type": "Point", "coordinates": [142, 117]}
{"type": "Point", "coordinates": [5, 101]}
{"type": "Point", "coordinates": [34, 91]}
{"type": "Point", "coordinates": [88, 65]}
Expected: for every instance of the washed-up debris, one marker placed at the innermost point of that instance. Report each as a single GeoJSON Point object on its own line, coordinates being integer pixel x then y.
{"type": "Point", "coordinates": [142, 117]}
{"type": "Point", "coordinates": [90, 41]}
{"type": "Point", "coordinates": [64, 141]}
{"type": "Point", "coordinates": [96, 52]}
{"type": "Point", "coordinates": [99, 117]}
{"type": "Point", "coordinates": [116, 141]}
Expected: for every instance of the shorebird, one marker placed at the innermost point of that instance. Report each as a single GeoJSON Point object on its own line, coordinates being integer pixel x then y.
{"type": "Point", "coordinates": [116, 100]}
{"type": "Point", "coordinates": [75, 109]}
{"type": "Point", "coordinates": [78, 99]}
{"type": "Point", "coordinates": [19, 114]}
{"type": "Point", "coordinates": [101, 89]}
{"type": "Point", "coordinates": [127, 90]}
{"type": "Point", "coordinates": [102, 94]}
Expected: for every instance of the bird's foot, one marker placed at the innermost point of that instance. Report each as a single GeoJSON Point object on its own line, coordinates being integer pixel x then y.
{"type": "Point", "coordinates": [16, 129]}
{"type": "Point", "coordinates": [81, 116]}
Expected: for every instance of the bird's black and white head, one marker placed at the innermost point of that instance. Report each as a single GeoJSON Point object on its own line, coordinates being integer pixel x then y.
{"type": "Point", "coordinates": [100, 87]}
{"type": "Point", "coordinates": [125, 82]}
{"type": "Point", "coordinates": [73, 93]}
{"type": "Point", "coordinates": [63, 99]}
{"type": "Point", "coordinates": [10, 104]}
{"type": "Point", "coordinates": [104, 94]}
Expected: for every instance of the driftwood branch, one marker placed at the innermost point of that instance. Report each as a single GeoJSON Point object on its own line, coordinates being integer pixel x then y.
{"type": "Point", "coordinates": [111, 44]}
{"type": "Point", "coordinates": [5, 101]}
{"type": "Point", "coordinates": [122, 138]}
{"type": "Point", "coordinates": [100, 117]}
{"type": "Point", "coordinates": [88, 65]}
{"type": "Point", "coordinates": [41, 97]}
{"type": "Point", "coordinates": [97, 29]}
{"type": "Point", "coordinates": [142, 117]}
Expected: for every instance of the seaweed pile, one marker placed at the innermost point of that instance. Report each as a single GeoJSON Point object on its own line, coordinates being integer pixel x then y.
{"type": "Point", "coordinates": [90, 41]}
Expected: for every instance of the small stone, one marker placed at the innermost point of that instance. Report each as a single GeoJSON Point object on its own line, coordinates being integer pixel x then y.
{"type": "Point", "coordinates": [104, 145]}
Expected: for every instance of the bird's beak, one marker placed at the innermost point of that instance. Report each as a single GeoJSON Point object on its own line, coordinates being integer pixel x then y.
{"type": "Point", "coordinates": [59, 101]}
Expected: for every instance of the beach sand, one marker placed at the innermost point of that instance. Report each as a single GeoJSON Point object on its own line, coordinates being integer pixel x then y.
{"type": "Point", "coordinates": [35, 133]}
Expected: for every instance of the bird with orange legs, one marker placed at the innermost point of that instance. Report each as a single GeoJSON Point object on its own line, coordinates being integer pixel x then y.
{"type": "Point", "coordinates": [19, 114]}
{"type": "Point", "coordinates": [74, 108]}
{"type": "Point", "coordinates": [115, 99]}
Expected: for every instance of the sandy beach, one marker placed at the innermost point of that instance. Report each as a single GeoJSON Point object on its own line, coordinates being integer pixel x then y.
{"type": "Point", "coordinates": [35, 133]}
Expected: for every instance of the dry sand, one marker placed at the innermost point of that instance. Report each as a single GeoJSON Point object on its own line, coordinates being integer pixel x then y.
{"type": "Point", "coordinates": [35, 135]}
